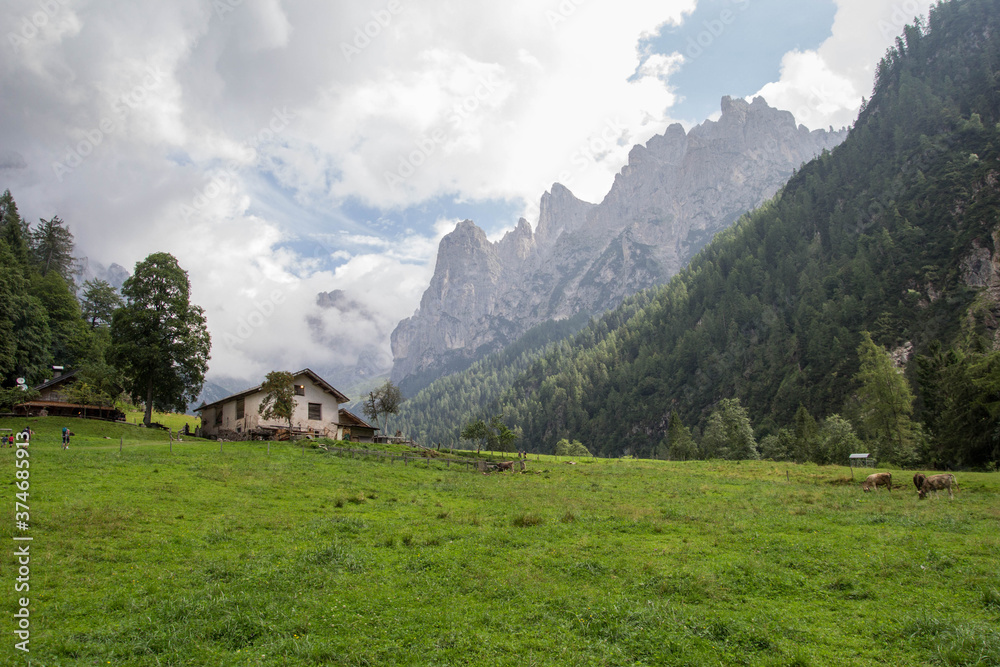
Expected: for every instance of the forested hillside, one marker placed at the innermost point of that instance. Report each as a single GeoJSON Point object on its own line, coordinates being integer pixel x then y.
{"type": "Point", "coordinates": [894, 233]}
{"type": "Point", "coordinates": [42, 323]}
{"type": "Point", "coordinates": [438, 412]}
{"type": "Point", "coordinates": [147, 344]}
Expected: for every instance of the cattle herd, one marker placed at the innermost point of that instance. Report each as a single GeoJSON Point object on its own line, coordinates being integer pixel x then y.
{"type": "Point", "coordinates": [923, 483]}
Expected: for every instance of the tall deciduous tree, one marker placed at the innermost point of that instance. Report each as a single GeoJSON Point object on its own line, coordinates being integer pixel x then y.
{"type": "Point", "coordinates": [384, 401]}
{"type": "Point", "coordinates": [567, 447]}
{"type": "Point", "coordinates": [159, 339]}
{"type": "Point", "coordinates": [279, 396]}
{"type": "Point", "coordinates": [504, 436]}
{"type": "Point", "coordinates": [886, 403]}
{"type": "Point", "coordinates": [835, 442]}
{"type": "Point", "coordinates": [476, 430]}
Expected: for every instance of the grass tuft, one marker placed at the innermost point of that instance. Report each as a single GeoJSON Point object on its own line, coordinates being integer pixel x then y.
{"type": "Point", "coordinates": [527, 519]}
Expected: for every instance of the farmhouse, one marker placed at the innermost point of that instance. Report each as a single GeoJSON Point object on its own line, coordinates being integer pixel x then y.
{"type": "Point", "coordinates": [54, 401]}
{"type": "Point", "coordinates": [317, 411]}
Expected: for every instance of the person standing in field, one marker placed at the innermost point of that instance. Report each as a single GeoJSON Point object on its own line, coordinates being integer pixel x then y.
{"type": "Point", "coordinates": [65, 433]}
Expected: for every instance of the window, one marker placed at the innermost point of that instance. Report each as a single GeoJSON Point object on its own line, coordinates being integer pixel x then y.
{"type": "Point", "coordinates": [300, 390]}
{"type": "Point", "coordinates": [239, 408]}
{"type": "Point", "coordinates": [315, 411]}
{"type": "Point", "coordinates": [218, 415]}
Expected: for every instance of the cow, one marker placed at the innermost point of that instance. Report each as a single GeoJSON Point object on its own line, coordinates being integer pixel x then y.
{"type": "Point", "coordinates": [918, 480]}
{"type": "Point", "coordinates": [876, 480]}
{"type": "Point", "coordinates": [505, 466]}
{"type": "Point", "coordinates": [937, 482]}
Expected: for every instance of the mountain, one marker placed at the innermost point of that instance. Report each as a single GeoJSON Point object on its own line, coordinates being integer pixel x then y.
{"type": "Point", "coordinates": [895, 232]}
{"type": "Point", "coordinates": [675, 194]}
{"type": "Point", "coordinates": [213, 391]}
{"type": "Point", "coordinates": [115, 275]}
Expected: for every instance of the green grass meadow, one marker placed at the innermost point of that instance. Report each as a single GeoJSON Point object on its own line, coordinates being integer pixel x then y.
{"type": "Point", "coordinates": [296, 556]}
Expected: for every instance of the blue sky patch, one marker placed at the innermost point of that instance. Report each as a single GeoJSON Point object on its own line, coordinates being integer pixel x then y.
{"type": "Point", "coordinates": [734, 47]}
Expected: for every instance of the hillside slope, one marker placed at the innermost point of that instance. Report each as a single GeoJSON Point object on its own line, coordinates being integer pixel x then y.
{"type": "Point", "coordinates": [894, 232]}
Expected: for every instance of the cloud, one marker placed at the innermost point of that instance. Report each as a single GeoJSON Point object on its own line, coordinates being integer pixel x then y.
{"type": "Point", "coordinates": [232, 134]}
{"type": "Point", "coordinates": [244, 137]}
{"type": "Point", "coordinates": [824, 86]}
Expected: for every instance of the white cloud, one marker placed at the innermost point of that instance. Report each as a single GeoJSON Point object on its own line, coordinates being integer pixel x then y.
{"type": "Point", "coordinates": [231, 132]}
{"type": "Point", "coordinates": [824, 86]}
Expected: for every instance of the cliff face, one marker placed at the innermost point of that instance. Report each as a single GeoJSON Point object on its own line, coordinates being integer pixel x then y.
{"type": "Point", "coordinates": [676, 192]}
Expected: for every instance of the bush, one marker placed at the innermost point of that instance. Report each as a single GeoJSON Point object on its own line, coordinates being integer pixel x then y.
{"type": "Point", "coordinates": [575, 448]}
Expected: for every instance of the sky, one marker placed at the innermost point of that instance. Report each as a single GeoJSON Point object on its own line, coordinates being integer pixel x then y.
{"type": "Point", "coordinates": [285, 148]}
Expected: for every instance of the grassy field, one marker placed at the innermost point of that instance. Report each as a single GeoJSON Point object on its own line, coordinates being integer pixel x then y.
{"type": "Point", "coordinates": [170, 420]}
{"type": "Point", "coordinates": [300, 557]}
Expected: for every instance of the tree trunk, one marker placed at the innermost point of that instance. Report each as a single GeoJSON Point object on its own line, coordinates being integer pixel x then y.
{"type": "Point", "coordinates": [148, 417]}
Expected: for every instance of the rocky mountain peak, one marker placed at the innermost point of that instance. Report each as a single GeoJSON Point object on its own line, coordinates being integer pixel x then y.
{"type": "Point", "coordinates": [674, 194]}
{"type": "Point", "coordinates": [559, 211]}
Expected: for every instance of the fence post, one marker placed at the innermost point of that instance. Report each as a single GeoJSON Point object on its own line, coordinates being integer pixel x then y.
{"type": "Point", "coordinates": [120, 439]}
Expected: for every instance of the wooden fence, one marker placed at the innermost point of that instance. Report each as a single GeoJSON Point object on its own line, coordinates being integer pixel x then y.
{"type": "Point", "coordinates": [476, 465]}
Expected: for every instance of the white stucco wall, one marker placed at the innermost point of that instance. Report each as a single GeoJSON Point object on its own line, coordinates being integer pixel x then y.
{"type": "Point", "coordinates": [328, 425]}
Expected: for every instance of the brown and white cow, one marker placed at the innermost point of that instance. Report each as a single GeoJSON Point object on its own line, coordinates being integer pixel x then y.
{"type": "Point", "coordinates": [937, 482]}
{"type": "Point", "coordinates": [876, 480]}
{"type": "Point", "coordinates": [918, 480]}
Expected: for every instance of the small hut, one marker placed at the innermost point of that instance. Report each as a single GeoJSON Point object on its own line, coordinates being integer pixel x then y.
{"type": "Point", "coordinates": [861, 461]}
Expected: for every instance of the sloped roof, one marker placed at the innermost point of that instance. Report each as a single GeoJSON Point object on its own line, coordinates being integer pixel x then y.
{"type": "Point", "coordinates": [317, 380]}
{"type": "Point", "coordinates": [350, 419]}
{"type": "Point", "coordinates": [56, 380]}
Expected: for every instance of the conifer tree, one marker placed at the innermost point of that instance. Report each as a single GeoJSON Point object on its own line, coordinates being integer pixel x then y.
{"type": "Point", "coordinates": [52, 244]}
{"type": "Point", "coordinates": [886, 404]}
{"type": "Point", "coordinates": [100, 301]}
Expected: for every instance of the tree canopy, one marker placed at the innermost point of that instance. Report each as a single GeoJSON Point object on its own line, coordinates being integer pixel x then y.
{"type": "Point", "coordinates": [52, 243]}
{"type": "Point", "coordinates": [100, 301]}
{"type": "Point", "coordinates": [279, 396]}
{"type": "Point", "coordinates": [159, 340]}
{"type": "Point", "coordinates": [385, 401]}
